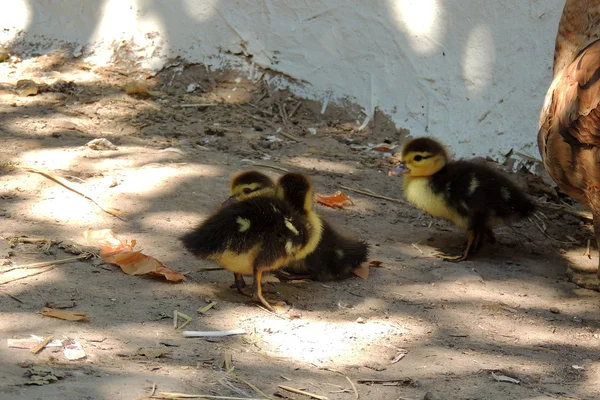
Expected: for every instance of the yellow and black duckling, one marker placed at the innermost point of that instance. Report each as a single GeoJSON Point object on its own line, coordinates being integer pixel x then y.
{"type": "Point", "coordinates": [260, 234]}
{"type": "Point", "coordinates": [335, 257]}
{"type": "Point", "coordinates": [470, 195]}
{"type": "Point", "coordinates": [569, 125]}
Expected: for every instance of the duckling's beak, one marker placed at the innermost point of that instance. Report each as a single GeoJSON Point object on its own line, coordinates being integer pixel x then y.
{"type": "Point", "coordinates": [399, 169]}
{"type": "Point", "coordinates": [230, 200]}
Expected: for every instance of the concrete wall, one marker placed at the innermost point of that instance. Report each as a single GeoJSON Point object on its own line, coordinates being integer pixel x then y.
{"type": "Point", "coordinates": [471, 72]}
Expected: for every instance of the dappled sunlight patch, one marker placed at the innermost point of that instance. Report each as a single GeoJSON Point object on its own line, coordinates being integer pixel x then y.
{"type": "Point", "coordinates": [156, 178]}
{"type": "Point", "coordinates": [323, 342]}
{"type": "Point", "coordinates": [479, 57]}
{"type": "Point", "coordinates": [60, 204]}
{"type": "Point", "coordinates": [420, 19]}
{"type": "Point", "coordinates": [52, 159]}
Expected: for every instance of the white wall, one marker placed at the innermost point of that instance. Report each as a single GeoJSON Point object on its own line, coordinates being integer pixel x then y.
{"type": "Point", "coordinates": [471, 72]}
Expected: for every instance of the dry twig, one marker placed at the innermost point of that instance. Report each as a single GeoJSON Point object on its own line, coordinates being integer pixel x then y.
{"type": "Point", "coordinates": [584, 215]}
{"type": "Point", "coordinates": [348, 379]}
{"type": "Point", "coordinates": [41, 345]}
{"type": "Point", "coordinates": [47, 263]}
{"type": "Point", "coordinates": [27, 276]}
{"type": "Point", "coordinates": [298, 391]}
{"type": "Point", "coordinates": [69, 185]}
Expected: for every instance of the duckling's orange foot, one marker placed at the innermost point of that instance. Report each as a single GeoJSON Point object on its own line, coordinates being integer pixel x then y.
{"type": "Point", "coordinates": [584, 278]}
{"type": "Point", "coordinates": [455, 259]}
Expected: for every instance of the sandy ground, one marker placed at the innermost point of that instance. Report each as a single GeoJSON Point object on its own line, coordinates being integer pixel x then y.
{"type": "Point", "coordinates": [417, 328]}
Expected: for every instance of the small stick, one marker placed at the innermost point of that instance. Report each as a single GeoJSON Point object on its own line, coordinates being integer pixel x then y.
{"type": "Point", "coordinates": [257, 390]}
{"type": "Point", "coordinates": [584, 215]}
{"type": "Point", "coordinates": [43, 343]}
{"type": "Point", "coordinates": [282, 113]}
{"type": "Point", "coordinates": [291, 114]}
{"type": "Point", "coordinates": [192, 105]}
{"type": "Point", "coordinates": [271, 166]}
{"type": "Point", "coordinates": [176, 316]}
{"type": "Point", "coordinates": [13, 297]}
{"type": "Point", "coordinates": [265, 112]}
{"type": "Point", "coordinates": [546, 234]}
{"type": "Point", "coordinates": [588, 252]}
{"type": "Point", "coordinates": [289, 136]}
{"type": "Point", "coordinates": [149, 396]}
{"type": "Point", "coordinates": [377, 196]}
{"type": "Point", "coordinates": [177, 396]}
{"type": "Point", "coordinates": [46, 263]}
{"type": "Point", "coordinates": [207, 307]}
{"type": "Point", "coordinates": [348, 379]}
{"type": "Point", "coordinates": [202, 269]}
{"type": "Point", "coordinates": [399, 380]}
{"type": "Point", "coordinates": [298, 391]}
{"type": "Point", "coordinates": [27, 276]}
{"type": "Point", "coordinates": [417, 247]}
{"type": "Point", "coordinates": [65, 183]}
{"type": "Point", "coordinates": [213, 333]}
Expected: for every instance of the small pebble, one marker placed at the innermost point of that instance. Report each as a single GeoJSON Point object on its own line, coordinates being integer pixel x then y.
{"type": "Point", "coordinates": [359, 320]}
{"type": "Point", "coordinates": [554, 310]}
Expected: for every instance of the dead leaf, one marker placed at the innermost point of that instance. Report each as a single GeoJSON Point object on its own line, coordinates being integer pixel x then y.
{"type": "Point", "coordinates": [375, 263]}
{"type": "Point", "coordinates": [114, 251]}
{"type": "Point", "coordinates": [66, 315]}
{"type": "Point", "coordinates": [153, 352]}
{"type": "Point", "coordinates": [337, 200]}
{"type": "Point", "coordinates": [136, 88]}
{"type": "Point", "coordinates": [27, 87]}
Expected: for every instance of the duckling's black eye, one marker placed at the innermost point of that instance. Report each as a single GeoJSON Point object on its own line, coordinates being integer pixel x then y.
{"type": "Point", "coordinates": [418, 158]}
{"type": "Point", "coordinates": [247, 191]}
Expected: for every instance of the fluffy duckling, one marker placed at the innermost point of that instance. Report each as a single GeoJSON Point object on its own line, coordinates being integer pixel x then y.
{"type": "Point", "coordinates": [259, 234]}
{"type": "Point", "coordinates": [335, 257]}
{"type": "Point", "coordinates": [569, 125]}
{"type": "Point", "coordinates": [470, 195]}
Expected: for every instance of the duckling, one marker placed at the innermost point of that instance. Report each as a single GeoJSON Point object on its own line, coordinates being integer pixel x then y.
{"type": "Point", "coordinates": [569, 125]}
{"type": "Point", "coordinates": [470, 195]}
{"type": "Point", "coordinates": [335, 256]}
{"type": "Point", "coordinates": [258, 234]}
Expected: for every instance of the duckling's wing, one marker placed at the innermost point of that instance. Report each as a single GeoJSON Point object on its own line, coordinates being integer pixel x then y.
{"type": "Point", "coordinates": [230, 228]}
{"type": "Point", "coordinates": [336, 255]}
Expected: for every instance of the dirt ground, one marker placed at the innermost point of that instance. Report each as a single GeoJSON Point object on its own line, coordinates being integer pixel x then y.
{"type": "Point", "coordinates": [417, 328]}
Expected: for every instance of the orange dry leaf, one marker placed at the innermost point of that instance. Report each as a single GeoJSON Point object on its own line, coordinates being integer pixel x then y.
{"type": "Point", "coordinates": [139, 89]}
{"type": "Point", "coordinates": [337, 200]}
{"type": "Point", "coordinates": [66, 315]}
{"type": "Point", "coordinates": [114, 251]}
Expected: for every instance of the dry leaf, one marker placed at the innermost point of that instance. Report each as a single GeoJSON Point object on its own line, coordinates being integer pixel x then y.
{"type": "Point", "coordinates": [153, 352]}
{"type": "Point", "coordinates": [114, 251]}
{"type": "Point", "coordinates": [27, 87]}
{"type": "Point", "coordinates": [139, 89]}
{"type": "Point", "coordinates": [66, 315]}
{"type": "Point", "coordinates": [337, 200]}
{"type": "Point", "coordinates": [375, 263]}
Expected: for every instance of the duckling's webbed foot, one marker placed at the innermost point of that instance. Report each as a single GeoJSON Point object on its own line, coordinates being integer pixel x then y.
{"type": "Point", "coordinates": [257, 291]}
{"type": "Point", "coordinates": [239, 284]}
{"type": "Point", "coordinates": [472, 237]}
